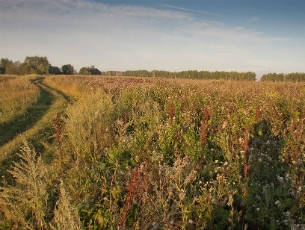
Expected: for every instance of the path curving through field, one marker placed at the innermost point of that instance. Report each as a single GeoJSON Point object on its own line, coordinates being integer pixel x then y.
{"type": "Point", "coordinates": [23, 122]}
{"type": "Point", "coordinates": [36, 125]}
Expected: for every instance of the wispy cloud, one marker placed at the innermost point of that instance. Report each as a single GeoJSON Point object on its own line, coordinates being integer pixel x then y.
{"type": "Point", "coordinates": [254, 19]}
{"type": "Point", "coordinates": [191, 10]}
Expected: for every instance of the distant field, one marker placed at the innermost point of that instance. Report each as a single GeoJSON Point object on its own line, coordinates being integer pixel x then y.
{"type": "Point", "coordinates": [151, 153]}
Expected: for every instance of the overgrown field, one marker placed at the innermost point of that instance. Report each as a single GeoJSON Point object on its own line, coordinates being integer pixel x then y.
{"type": "Point", "coordinates": [133, 153]}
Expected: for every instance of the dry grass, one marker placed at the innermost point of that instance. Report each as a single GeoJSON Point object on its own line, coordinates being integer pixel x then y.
{"type": "Point", "coordinates": [16, 95]}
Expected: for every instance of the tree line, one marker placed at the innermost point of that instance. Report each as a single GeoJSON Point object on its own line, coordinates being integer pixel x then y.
{"type": "Point", "coordinates": [194, 74]}
{"type": "Point", "coordinates": [40, 65]}
{"type": "Point", "coordinates": [283, 77]}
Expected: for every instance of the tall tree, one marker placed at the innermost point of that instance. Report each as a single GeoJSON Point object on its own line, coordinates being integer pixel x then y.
{"type": "Point", "coordinates": [36, 64]}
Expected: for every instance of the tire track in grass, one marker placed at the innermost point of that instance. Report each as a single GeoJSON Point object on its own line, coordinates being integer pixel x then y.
{"type": "Point", "coordinates": [37, 126]}
{"type": "Point", "coordinates": [23, 122]}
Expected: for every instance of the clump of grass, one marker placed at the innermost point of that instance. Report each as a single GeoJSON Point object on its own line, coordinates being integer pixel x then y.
{"type": "Point", "coordinates": [65, 215]}
{"type": "Point", "coordinates": [25, 203]}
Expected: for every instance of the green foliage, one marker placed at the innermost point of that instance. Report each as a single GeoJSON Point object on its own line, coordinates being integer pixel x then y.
{"type": "Point", "coordinates": [54, 70]}
{"type": "Point", "coordinates": [36, 65]}
{"type": "Point", "coordinates": [68, 69]}
{"type": "Point", "coordinates": [89, 71]}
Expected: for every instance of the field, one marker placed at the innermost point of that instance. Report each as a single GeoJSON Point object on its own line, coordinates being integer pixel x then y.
{"type": "Point", "coordinates": [80, 152]}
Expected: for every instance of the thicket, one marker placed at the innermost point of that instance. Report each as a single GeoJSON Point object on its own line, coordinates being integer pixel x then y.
{"type": "Point", "coordinates": [212, 155]}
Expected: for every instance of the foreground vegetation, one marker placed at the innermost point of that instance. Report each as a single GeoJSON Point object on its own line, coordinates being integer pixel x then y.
{"type": "Point", "coordinates": [133, 153]}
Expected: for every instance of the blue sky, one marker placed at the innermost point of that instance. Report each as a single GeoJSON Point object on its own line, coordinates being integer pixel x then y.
{"type": "Point", "coordinates": [223, 35]}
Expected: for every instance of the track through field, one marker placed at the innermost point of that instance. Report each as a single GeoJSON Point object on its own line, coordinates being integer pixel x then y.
{"type": "Point", "coordinates": [35, 126]}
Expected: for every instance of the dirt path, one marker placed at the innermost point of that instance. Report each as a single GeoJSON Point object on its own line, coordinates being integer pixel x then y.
{"type": "Point", "coordinates": [35, 126]}
{"type": "Point", "coordinates": [21, 123]}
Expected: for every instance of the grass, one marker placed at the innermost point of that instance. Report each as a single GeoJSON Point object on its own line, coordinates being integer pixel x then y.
{"type": "Point", "coordinates": [29, 118]}
{"type": "Point", "coordinates": [134, 153]}
{"type": "Point", "coordinates": [16, 95]}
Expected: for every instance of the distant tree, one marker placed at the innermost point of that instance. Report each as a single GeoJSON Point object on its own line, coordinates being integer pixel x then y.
{"type": "Point", "coordinates": [94, 71]}
{"type": "Point", "coordinates": [111, 73]}
{"type": "Point", "coordinates": [89, 71]}
{"type": "Point", "coordinates": [36, 64]}
{"type": "Point", "coordinates": [54, 70]}
{"type": "Point", "coordinates": [84, 71]}
{"type": "Point", "coordinates": [26, 69]}
{"type": "Point", "coordinates": [9, 67]}
{"type": "Point", "coordinates": [3, 64]}
{"type": "Point", "coordinates": [68, 69]}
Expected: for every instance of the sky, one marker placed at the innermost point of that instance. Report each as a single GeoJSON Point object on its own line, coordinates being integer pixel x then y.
{"type": "Point", "coordinates": [215, 35]}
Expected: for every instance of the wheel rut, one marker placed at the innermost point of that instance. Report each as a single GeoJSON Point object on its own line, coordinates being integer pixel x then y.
{"type": "Point", "coordinates": [21, 123]}
{"type": "Point", "coordinates": [36, 124]}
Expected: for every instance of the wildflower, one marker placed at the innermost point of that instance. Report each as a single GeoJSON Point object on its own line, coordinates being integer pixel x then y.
{"type": "Point", "coordinates": [216, 161]}
{"type": "Point", "coordinates": [280, 179]}
{"type": "Point", "coordinates": [260, 159]}
{"type": "Point", "coordinates": [286, 222]}
{"type": "Point", "coordinates": [257, 209]}
{"type": "Point", "coordinates": [278, 203]}
{"type": "Point", "coordinates": [287, 214]}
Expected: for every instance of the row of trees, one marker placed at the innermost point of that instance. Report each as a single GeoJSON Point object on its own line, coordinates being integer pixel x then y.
{"type": "Point", "coordinates": [33, 65]}
{"type": "Point", "coordinates": [194, 74]}
{"type": "Point", "coordinates": [283, 77]}
{"type": "Point", "coordinates": [41, 65]}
